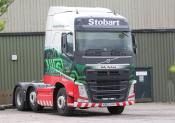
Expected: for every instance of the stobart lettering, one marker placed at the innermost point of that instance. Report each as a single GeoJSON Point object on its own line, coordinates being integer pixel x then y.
{"type": "Point", "coordinates": [98, 22]}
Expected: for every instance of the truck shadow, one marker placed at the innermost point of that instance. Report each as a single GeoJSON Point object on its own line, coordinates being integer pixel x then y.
{"type": "Point", "coordinates": [96, 113]}
{"type": "Point", "coordinates": [78, 113]}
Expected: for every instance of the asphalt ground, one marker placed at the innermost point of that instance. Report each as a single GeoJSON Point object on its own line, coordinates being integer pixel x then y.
{"type": "Point", "coordinates": [138, 113]}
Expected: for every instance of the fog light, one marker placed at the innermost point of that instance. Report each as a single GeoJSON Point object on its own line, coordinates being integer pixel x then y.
{"type": "Point", "coordinates": [82, 100]}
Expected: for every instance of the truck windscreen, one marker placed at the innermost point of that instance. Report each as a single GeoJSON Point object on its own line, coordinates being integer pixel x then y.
{"type": "Point", "coordinates": [105, 41]}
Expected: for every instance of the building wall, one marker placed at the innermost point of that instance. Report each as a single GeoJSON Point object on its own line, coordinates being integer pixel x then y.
{"type": "Point", "coordinates": [155, 49]}
{"type": "Point", "coordinates": [29, 64]}
{"type": "Point", "coordinates": [30, 15]}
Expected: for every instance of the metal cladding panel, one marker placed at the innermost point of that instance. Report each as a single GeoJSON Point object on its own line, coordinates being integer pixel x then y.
{"type": "Point", "coordinates": [158, 51]}
{"type": "Point", "coordinates": [30, 15]}
{"type": "Point", "coordinates": [154, 49]}
{"type": "Point", "coordinates": [27, 67]}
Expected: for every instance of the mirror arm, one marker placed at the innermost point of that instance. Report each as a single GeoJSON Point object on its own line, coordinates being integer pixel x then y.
{"type": "Point", "coordinates": [134, 43]}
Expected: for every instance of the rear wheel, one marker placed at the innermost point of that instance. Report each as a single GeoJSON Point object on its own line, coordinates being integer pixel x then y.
{"type": "Point", "coordinates": [61, 102]}
{"type": "Point", "coordinates": [33, 101]}
{"type": "Point", "coordinates": [19, 99]}
{"type": "Point", "coordinates": [116, 109]}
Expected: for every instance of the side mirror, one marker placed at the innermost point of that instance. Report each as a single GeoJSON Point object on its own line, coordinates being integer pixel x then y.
{"type": "Point", "coordinates": [134, 44]}
{"type": "Point", "coordinates": [69, 33]}
{"type": "Point", "coordinates": [67, 43]}
{"type": "Point", "coordinates": [64, 43]}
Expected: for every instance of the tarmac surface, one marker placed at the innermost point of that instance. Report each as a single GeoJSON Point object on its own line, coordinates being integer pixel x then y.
{"type": "Point", "coordinates": [138, 113]}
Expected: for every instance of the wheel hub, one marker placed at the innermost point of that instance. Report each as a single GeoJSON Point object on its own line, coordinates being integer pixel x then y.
{"type": "Point", "coordinates": [61, 102]}
{"type": "Point", "coordinates": [19, 97]}
{"type": "Point", "coordinates": [33, 97]}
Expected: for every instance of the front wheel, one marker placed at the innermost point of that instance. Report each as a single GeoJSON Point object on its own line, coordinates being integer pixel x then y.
{"type": "Point", "coordinates": [116, 109]}
{"type": "Point", "coordinates": [33, 101]}
{"type": "Point", "coordinates": [61, 102]}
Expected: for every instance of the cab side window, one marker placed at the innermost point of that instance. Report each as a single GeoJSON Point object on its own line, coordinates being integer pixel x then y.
{"type": "Point", "coordinates": [69, 44]}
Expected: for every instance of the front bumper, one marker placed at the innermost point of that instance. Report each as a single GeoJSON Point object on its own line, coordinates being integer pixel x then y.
{"type": "Point", "coordinates": [89, 105]}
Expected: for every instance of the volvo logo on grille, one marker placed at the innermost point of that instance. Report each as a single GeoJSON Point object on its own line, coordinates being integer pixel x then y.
{"type": "Point", "coordinates": [108, 60]}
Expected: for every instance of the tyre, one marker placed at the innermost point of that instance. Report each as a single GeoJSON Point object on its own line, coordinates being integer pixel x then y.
{"type": "Point", "coordinates": [19, 99]}
{"type": "Point", "coordinates": [33, 101]}
{"type": "Point", "coordinates": [116, 109]}
{"type": "Point", "coordinates": [61, 103]}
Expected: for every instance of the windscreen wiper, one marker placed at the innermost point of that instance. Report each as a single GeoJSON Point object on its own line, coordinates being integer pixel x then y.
{"type": "Point", "coordinates": [121, 52]}
{"type": "Point", "coordinates": [96, 52]}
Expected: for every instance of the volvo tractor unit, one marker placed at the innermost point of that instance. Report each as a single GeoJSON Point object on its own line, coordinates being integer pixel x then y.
{"type": "Point", "coordinates": [89, 61]}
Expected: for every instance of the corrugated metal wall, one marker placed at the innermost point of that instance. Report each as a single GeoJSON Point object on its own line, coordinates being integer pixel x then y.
{"type": "Point", "coordinates": [158, 50]}
{"type": "Point", "coordinates": [154, 49]}
{"type": "Point", "coordinates": [28, 67]}
{"type": "Point", "coordinates": [30, 15]}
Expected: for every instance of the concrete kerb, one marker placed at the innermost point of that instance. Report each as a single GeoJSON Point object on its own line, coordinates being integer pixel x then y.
{"type": "Point", "coordinates": [7, 106]}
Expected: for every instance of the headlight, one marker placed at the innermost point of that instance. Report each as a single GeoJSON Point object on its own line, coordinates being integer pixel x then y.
{"type": "Point", "coordinates": [133, 82]}
{"type": "Point", "coordinates": [82, 91]}
{"type": "Point", "coordinates": [131, 90]}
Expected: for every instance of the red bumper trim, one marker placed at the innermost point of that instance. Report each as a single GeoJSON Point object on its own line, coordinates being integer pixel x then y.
{"type": "Point", "coordinates": [46, 103]}
{"type": "Point", "coordinates": [88, 105]}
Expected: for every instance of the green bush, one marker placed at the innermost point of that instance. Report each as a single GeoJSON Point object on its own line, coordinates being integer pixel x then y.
{"type": "Point", "coordinates": [4, 4]}
{"type": "Point", "coordinates": [172, 68]}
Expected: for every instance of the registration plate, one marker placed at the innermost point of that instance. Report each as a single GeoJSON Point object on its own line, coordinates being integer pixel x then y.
{"type": "Point", "coordinates": [108, 104]}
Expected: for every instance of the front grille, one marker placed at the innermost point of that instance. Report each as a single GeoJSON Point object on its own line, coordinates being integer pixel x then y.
{"type": "Point", "coordinates": [107, 85]}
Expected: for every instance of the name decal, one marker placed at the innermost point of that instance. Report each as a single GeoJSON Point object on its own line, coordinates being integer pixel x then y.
{"type": "Point", "coordinates": [103, 22]}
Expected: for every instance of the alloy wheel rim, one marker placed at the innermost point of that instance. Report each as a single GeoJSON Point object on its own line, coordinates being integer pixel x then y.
{"type": "Point", "coordinates": [33, 97]}
{"type": "Point", "coordinates": [61, 102]}
{"type": "Point", "coordinates": [19, 96]}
